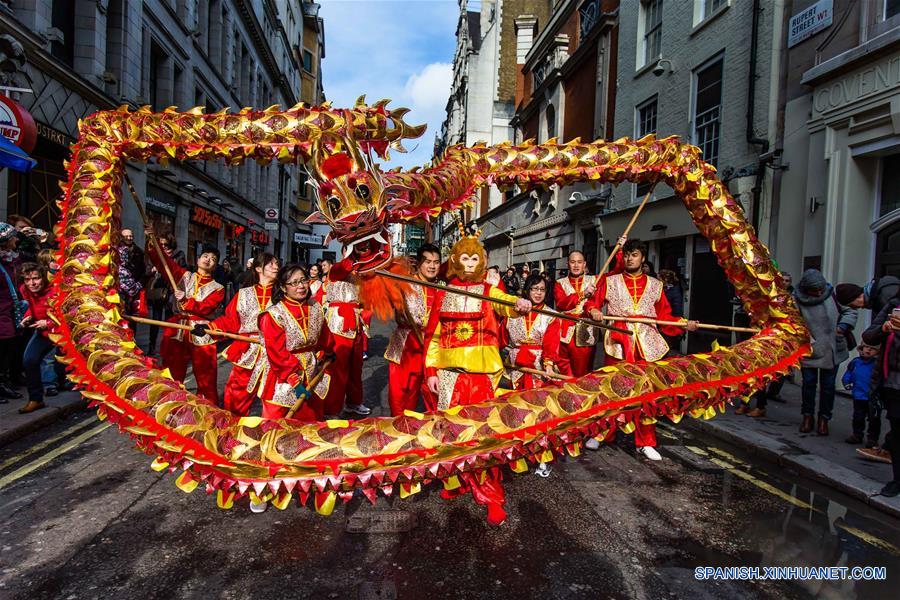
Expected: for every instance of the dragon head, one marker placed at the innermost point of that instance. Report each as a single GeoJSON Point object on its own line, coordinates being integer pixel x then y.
{"type": "Point", "coordinates": [355, 202]}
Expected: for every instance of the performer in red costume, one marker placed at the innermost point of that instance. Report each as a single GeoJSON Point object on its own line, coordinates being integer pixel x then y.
{"type": "Point", "coordinates": [197, 296]}
{"type": "Point", "coordinates": [533, 339]}
{"type": "Point", "coordinates": [344, 321]}
{"type": "Point", "coordinates": [405, 351]}
{"type": "Point", "coordinates": [242, 316]}
{"type": "Point", "coordinates": [577, 342]}
{"type": "Point", "coordinates": [462, 338]}
{"type": "Point", "coordinates": [635, 294]}
{"type": "Point", "coordinates": [294, 331]}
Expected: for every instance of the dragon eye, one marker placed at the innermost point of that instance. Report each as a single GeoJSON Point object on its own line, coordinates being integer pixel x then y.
{"type": "Point", "coordinates": [362, 191]}
{"type": "Point", "coordinates": [334, 205]}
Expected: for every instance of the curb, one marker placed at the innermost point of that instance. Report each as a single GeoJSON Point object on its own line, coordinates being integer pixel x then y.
{"type": "Point", "coordinates": [46, 417]}
{"type": "Point", "coordinates": [811, 466]}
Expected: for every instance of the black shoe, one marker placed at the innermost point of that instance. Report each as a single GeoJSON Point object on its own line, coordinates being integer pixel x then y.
{"type": "Point", "coordinates": [854, 439]}
{"type": "Point", "coordinates": [9, 393]}
{"type": "Point", "coordinates": [51, 391]}
{"type": "Point", "coordinates": [891, 489]}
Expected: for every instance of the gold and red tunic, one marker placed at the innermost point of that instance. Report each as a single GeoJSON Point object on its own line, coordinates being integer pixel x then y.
{"type": "Point", "coordinates": [293, 333]}
{"type": "Point", "coordinates": [533, 342]}
{"type": "Point", "coordinates": [242, 316]}
{"type": "Point", "coordinates": [568, 294]}
{"type": "Point", "coordinates": [627, 295]}
{"type": "Point", "coordinates": [418, 309]}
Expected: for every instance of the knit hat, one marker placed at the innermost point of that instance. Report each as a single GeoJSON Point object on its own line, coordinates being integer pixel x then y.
{"type": "Point", "coordinates": [812, 279]}
{"type": "Point", "coordinates": [7, 231]}
{"type": "Point", "coordinates": [847, 293]}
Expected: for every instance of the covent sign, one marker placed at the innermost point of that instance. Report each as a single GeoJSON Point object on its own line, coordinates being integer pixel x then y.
{"type": "Point", "coordinates": [868, 81]}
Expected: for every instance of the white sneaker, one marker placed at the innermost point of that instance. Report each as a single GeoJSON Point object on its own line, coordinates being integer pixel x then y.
{"type": "Point", "coordinates": [543, 470]}
{"type": "Point", "coordinates": [258, 507]}
{"type": "Point", "coordinates": [649, 452]}
{"type": "Point", "coordinates": [592, 444]}
{"type": "Point", "coordinates": [360, 409]}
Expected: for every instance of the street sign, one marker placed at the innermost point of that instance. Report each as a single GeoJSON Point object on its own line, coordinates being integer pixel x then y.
{"type": "Point", "coordinates": [810, 21]}
{"type": "Point", "coordinates": [271, 226]}
{"type": "Point", "coordinates": [306, 238]}
{"type": "Point", "coordinates": [271, 214]}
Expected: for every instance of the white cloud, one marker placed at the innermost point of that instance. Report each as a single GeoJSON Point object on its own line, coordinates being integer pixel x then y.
{"type": "Point", "coordinates": [430, 88]}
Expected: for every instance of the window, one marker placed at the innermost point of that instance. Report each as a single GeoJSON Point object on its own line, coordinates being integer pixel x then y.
{"type": "Point", "coordinates": [890, 184]}
{"type": "Point", "coordinates": [588, 16]}
{"type": "Point", "coordinates": [645, 117]}
{"type": "Point", "coordinates": [307, 61]}
{"type": "Point", "coordinates": [63, 19]}
{"type": "Point", "coordinates": [708, 109]}
{"type": "Point", "coordinates": [891, 8]}
{"type": "Point", "coordinates": [652, 17]}
{"type": "Point", "coordinates": [711, 6]}
{"type": "Point", "coordinates": [551, 121]}
{"type": "Point", "coordinates": [115, 43]}
{"type": "Point", "coordinates": [156, 59]}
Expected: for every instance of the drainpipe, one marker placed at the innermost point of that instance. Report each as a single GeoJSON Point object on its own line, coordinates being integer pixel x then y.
{"type": "Point", "coordinates": [751, 109]}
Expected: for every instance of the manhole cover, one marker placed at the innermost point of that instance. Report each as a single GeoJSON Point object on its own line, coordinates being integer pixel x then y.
{"type": "Point", "coordinates": [381, 521]}
{"type": "Point", "coordinates": [377, 590]}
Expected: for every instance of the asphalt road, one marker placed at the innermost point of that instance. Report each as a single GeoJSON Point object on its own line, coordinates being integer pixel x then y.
{"type": "Point", "coordinates": [83, 516]}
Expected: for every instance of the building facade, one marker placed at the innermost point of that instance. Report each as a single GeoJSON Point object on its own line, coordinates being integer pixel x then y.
{"type": "Point", "coordinates": [839, 207]}
{"type": "Point", "coordinates": [82, 56]}
{"type": "Point", "coordinates": [565, 89]}
{"type": "Point", "coordinates": [708, 72]}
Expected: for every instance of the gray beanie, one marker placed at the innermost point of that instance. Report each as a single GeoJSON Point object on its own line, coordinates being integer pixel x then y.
{"type": "Point", "coordinates": [812, 279]}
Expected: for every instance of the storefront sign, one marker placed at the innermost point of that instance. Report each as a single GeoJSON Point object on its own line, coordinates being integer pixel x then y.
{"type": "Point", "coordinates": [54, 136]}
{"type": "Point", "coordinates": [205, 217]}
{"type": "Point", "coordinates": [259, 238]}
{"type": "Point", "coordinates": [16, 124]}
{"type": "Point", "coordinates": [306, 238]}
{"type": "Point", "coordinates": [161, 206]}
{"type": "Point", "coordinates": [234, 230]}
{"type": "Point", "coordinates": [810, 21]}
{"type": "Point", "coordinates": [874, 78]}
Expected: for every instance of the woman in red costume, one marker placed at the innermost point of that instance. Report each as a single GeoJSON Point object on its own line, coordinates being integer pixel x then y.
{"type": "Point", "coordinates": [533, 339]}
{"type": "Point", "coordinates": [242, 316]}
{"type": "Point", "coordinates": [294, 332]}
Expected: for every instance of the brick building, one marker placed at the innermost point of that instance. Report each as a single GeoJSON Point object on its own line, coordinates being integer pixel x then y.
{"type": "Point", "coordinates": [83, 55]}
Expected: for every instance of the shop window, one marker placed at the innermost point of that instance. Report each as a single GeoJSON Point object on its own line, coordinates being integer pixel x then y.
{"type": "Point", "coordinates": [708, 109]}
{"type": "Point", "coordinates": [890, 184]}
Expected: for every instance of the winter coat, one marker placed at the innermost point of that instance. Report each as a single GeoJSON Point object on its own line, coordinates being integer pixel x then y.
{"type": "Point", "coordinates": [879, 291]}
{"type": "Point", "coordinates": [858, 376]}
{"type": "Point", "coordinates": [887, 375]}
{"type": "Point", "coordinates": [823, 315]}
{"type": "Point", "coordinates": [38, 305]}
{"type": "Point", "coordinates": [675, 295]}
{"type": "Point", "coordinates": [7, 298]}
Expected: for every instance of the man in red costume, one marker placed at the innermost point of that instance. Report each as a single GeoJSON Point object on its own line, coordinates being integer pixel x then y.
{"type": "Point", "coordinates": [344, 319]}
{"type": "Point", "coordinates": [635, 294]}
{"type": "Point", "coordinates": [242, 316]}
{"type": "Point", "coordinates": [405, 351]}
{"type": "Point", "coordinates": [462, 339]}
{"type": "Point", "coordinates": [197, 296]}
{"type": "Point", "coordinates": [577, 342]}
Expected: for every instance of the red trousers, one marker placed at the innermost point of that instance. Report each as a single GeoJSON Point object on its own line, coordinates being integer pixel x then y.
{"type": "Point", "coordinates": [581, 360]}
{"type": "Point", "coordinates": [472, 388]}
{"type": "Point", "coordinates": [237, 399]}
{"type": "Point", "coordinates": [346, 374]}
{"type": "Point", "coordinates": [176, 355]}
{"type": "Point", "coordinates": [644, 435]}
{"type": "Point", "coordinates": [308, 411]}
{"type": "Point", "coordinates": [406, 381]}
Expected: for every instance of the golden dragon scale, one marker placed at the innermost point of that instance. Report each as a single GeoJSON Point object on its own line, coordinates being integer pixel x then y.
{"type": "Point", "coordinates": [322, 463]}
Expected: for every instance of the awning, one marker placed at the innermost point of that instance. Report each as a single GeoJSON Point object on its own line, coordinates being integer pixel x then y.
{"type": "Point", "coordinates": [14, 157]}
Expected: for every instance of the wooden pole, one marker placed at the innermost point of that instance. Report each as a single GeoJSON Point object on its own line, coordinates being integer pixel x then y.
{"type": "Point", "coordinates": [313, 382]}
{"type": "Point", "coordinates": [650, 321]}
{"type": "Point", "coordinates": [538, 372]}
{"type": "Point", "coordinates": [461, 292]}
{"type": "Point", "coordinates": [154, 241]}
{"type": "Point", "coordinates": [181, 326]}
{"type": "Point", "coordinates": [631, 223]}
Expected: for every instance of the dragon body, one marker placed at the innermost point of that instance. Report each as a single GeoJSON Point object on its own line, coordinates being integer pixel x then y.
{"type": "Point", "coordinates": [320, 464]}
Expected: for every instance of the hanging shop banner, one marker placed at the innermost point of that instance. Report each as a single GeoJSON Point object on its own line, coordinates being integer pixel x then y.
{"type": "Point", "coordinates": [16, 124]}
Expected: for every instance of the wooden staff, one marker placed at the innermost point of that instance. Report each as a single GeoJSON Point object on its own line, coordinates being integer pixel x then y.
{"type": "Point", "coordinates": [313, 382]}
{"type": "Point", "coordinates": [650, 321]}
{"type": "Point", "coordinates": [631, 223]}
{"type": "Point", "coordinates": [538, 372]}
{"type": "Point", "coordinates": [232, 336]}
{"type": "Point", "coordinates": [153, 239]}
{"type": "Point", "coordinates": [542, 311]}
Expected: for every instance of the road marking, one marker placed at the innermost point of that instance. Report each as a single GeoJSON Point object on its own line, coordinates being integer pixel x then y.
{"type": "Point", "coordinates": [858, 533]}
{"type": "Point", "coordinates": [33, 466]}
{"type": "Point", "coordinates": [11, 461]}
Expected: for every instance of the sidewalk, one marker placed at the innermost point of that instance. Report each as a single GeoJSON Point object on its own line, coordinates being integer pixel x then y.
{"type": "Point", "coordinates": [828, 460]}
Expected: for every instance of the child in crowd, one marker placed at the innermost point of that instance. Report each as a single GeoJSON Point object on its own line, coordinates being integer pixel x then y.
{"type": "Point", "coordinates": [35, 290]}
{"type": "Point", "coordinates": [858, 379]}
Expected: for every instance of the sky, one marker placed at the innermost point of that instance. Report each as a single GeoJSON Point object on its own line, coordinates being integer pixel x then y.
{"type": "Point", "coordinates": [402, 50]}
